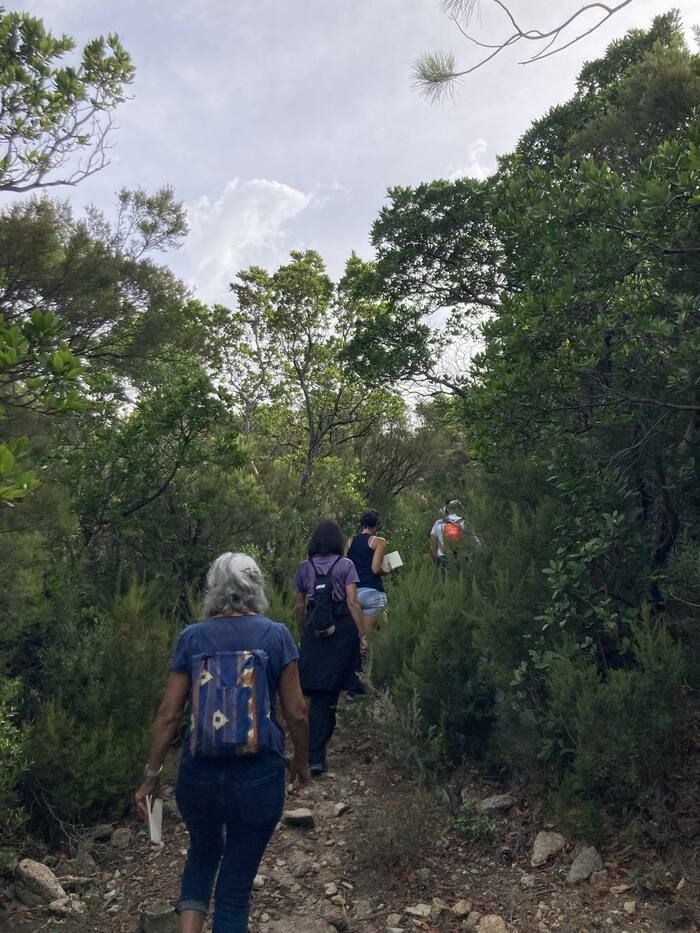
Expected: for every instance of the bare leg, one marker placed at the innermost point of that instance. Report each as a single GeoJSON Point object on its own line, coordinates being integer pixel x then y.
{"type": "Point", "coordinates": [368, 622]}
{"type": "Point", "coordinates": [191, 921]}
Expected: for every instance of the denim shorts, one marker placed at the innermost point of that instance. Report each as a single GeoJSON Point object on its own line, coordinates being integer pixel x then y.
{"type": "Point", "coordinates": [371, 601]}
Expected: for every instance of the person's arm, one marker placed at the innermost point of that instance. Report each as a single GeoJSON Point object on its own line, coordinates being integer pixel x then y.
{"type": "Point", "coordinates": [433, 546]}
{"type": "Point", "coordinates": [354, 607]}
{"type": "Point", "coordinates": [348, 545]}
{"type": "Point", "coordinates": [379, 548]}
{"type": "Point", "coordinates": [165, 726]}
{"type": "Point", "coordinates": [300, 611]}
{"type": "Point", "coordinates": [296, 716]}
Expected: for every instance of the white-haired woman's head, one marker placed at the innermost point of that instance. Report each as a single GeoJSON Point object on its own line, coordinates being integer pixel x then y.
{"type": "Point", "coordinates": [235, 583]}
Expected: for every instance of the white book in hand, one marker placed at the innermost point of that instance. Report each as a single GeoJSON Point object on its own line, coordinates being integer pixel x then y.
{"type": "Point", "coordinates": [391, 562]}
{"type": "Point", "coordinates": [154, 808]}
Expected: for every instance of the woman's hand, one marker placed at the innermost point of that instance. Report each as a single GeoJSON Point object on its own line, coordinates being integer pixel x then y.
{"type": "Point", "coordinates": [165, 726]}
{"type": "Point", "coordinates": [149, 788]}
{"type": "Point", "coordinates": [299, 771]}
{"type": "Point", "coordinates": [363, 645]}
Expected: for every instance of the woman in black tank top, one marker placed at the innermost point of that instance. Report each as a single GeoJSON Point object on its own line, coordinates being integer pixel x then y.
{"type": "Point", "coordinates": [366, 550]}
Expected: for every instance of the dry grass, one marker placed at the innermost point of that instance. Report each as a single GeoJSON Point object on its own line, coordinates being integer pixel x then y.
{"type": "Point", "coordinates": [395, 830]}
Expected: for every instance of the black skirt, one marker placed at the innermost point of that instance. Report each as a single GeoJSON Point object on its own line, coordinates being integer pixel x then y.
{"type": "Point", "coordinates": [330, 663]}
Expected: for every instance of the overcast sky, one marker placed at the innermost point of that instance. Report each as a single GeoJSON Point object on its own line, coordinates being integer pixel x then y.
{"type": "Point", "coordinates": [281, 123]}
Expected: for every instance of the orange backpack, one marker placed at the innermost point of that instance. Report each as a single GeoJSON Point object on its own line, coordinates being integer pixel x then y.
{"type": "Point", "coordinates": [451, 533]}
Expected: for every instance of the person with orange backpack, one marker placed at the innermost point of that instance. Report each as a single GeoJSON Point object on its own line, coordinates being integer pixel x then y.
{"type": "Point", "coordinates": [446, 534]}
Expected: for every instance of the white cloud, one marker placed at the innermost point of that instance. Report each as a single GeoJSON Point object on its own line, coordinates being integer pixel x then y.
{"type": "Point", "coordinates": [476, 165]}
{"type": "Point", "coordinates": [248, 223]}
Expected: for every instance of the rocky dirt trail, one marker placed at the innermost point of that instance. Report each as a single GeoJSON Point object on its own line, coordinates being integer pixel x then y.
{"type": "Point", "coordinates": [366, 852]}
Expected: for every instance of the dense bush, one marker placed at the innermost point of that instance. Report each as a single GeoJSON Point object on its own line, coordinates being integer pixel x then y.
{"type": "Point", "coordinates": [426, 651]}
{"type": "Point", "coordinates": [13, 757]}
{"type": "Point", "coordinates": [473, 652]}
{"type": "Point", "coordinates": [613, 733]}
{"type": "Point", "coordinates": [103, 676]}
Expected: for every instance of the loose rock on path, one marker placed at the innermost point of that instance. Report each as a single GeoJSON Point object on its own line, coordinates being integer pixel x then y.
{"type": "Point", "coordinates": [313, 879]}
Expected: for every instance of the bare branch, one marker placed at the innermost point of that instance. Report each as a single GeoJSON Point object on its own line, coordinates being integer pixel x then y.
{"type": "Point", "coordinates": [436, 75]}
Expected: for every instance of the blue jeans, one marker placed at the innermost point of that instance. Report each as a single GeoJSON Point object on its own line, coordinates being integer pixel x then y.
{"type": "Point", "coordinates": [230, 809]}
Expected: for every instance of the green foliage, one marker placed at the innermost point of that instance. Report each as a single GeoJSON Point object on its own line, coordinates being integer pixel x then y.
{"type": "Point", "coordinates": [178, 431]}
{"type": "Point", "coordinates": [96, 291]}
{"type": "Point", "coordinates": [81, 772]}
{"type": "Point", "coordinates": [13, 756]}
{"type": "Point", "coordinates": [407, 740]}
{"type": "Point", "coordinates": [427, 652]}
{"type": "Point", "coordinates": [15, 482]}
{"type": "Point", "coordinates": [681, 583]}
{"type": "Point", "coordinates": [50, 113]}
{"type": "Point", "coordinates": [103, 676]}
{"type": "Point", "coordinates": [37, 371]}
{"type": "Point", "coordinates": [78, 305]}
{"type": "Point", "coordinates": [281, 349]}
{"type": "Point", "coordinates": [281, 602]}
{"type": "Point", "coordinates": [476, 827]}
{"type": "Point", "coordinates": [577, 261]}
{"type": "Point", "coordinates": [643, 89]}
{"type": "Point", "coordinates": [615, 732]}
{"type": "Point", "coordinates": [133, 460]}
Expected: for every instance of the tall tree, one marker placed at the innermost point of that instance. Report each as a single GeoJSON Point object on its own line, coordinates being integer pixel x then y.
{"type": "Point", "coordinates": [83, 310]}
{"type": "Point", "coordinates": [54, 124]}
{"type": "Point", "coordinates": [442, 247]}
{"type": "Point", "coordinates": [283, 344]}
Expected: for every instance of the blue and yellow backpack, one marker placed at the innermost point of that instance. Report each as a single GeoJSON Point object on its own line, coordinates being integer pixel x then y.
{"type": "Point", "coordinates": [230, 713]}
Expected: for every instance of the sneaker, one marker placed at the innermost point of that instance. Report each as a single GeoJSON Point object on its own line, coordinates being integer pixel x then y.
{"type": "Point", "coordinates": [317, 768]}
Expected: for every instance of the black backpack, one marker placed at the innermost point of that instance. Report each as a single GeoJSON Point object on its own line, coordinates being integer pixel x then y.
{"type": "Point", "coordinates": [322, 605]}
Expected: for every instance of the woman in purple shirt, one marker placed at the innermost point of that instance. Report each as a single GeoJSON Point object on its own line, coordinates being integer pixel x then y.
{"type": "Point", "coordinates": [327, 662]}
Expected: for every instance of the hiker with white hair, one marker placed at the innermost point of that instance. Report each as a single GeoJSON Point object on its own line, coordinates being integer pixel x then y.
{"type": "Point", "coordinates": [229, 668]}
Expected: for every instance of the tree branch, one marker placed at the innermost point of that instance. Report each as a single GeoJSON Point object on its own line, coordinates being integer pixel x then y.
{"type": "Point", "coordinates": [435, 74]}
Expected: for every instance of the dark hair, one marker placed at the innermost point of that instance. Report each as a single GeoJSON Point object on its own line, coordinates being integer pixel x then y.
{"type": "Point", "coordinates": [369, 519]}
{"type": "Point", "coordinates": [327, 538]}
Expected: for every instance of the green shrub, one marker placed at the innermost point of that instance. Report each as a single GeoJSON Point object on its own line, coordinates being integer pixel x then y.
{"type": "Point", "coordinates": [474, 826]}
{"type": "Point", "coordinates": [614, 733]}
{"type": "Point", "coordinates": [13, 758]}
{"type": "Point", "coordinates": [680, 585]}
{"type": "Point", "coordinates": [407, 741]}
{"type": "Point", "coordinates": [103, 679]}
{"type": "Point", "coordinates": [83, 769]}
{"type": "Point", "coordinates": [426, 650]}
{"type": "Point", "coordinates": [410, 606]}
{"type": "Point", "coordinates": [282, 607]}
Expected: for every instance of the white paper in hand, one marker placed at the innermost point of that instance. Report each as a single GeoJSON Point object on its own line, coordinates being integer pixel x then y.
{"type": "Point", "coordinates": [154, 808]}
{"type": "Point", "coordinates": [391, 561]}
